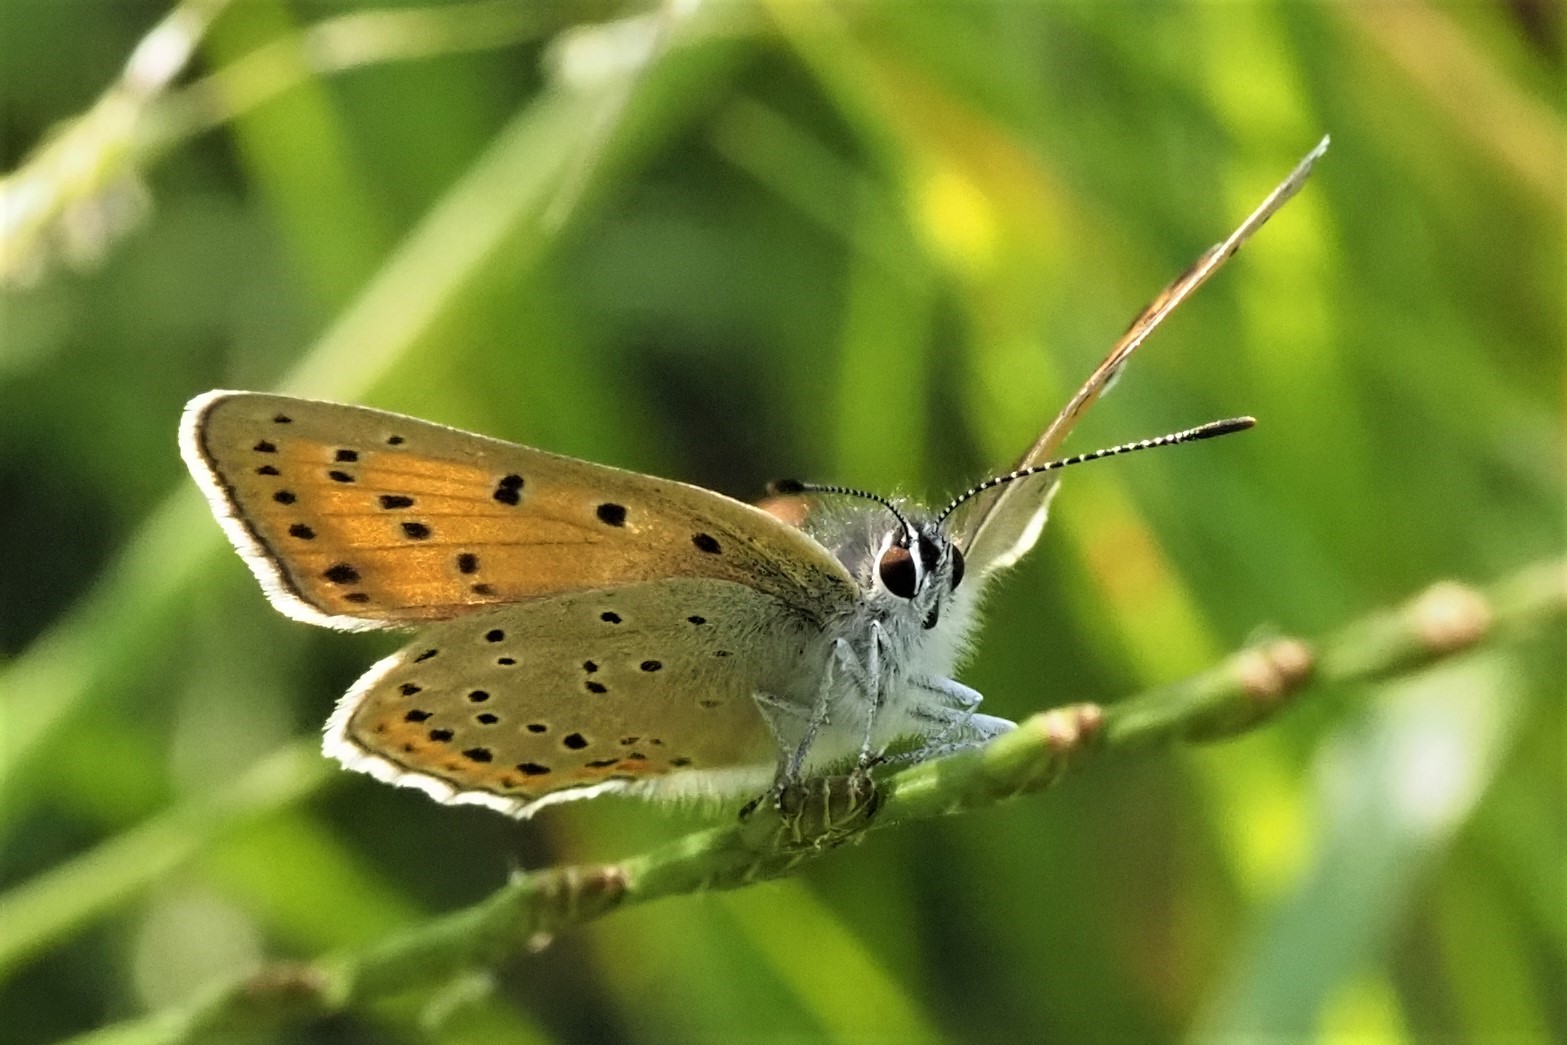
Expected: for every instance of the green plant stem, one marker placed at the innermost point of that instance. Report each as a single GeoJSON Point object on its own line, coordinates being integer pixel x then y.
{"type": "Point", "coordinates": [1240, 694]}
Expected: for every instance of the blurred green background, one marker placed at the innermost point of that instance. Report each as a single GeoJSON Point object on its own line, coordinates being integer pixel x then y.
{"type": "Point", "coordinates": [869, 243]}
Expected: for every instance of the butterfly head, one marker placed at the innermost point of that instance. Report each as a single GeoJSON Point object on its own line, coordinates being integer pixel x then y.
{"type": "Point", "coordinates": [915, 569]}
{"type": "Point", "coordinates": [919, 565]}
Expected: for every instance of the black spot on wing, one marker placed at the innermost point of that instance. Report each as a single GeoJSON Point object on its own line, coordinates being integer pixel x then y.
{"type": "Point", "coordinates": [509, 489]}
{"type": "Point", "coordinates": [341, 573]}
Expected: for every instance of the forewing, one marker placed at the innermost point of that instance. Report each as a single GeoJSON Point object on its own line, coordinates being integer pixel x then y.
{"type": "Point", "coordinates": [633, 689]}
{"type": "Point", "coordinates": [1000, 525]}
{"type": "Point", "coordinates": [357, 518]}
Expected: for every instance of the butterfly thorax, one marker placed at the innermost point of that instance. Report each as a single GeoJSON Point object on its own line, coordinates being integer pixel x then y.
{"type": "Point", "coordinates": [914, 609]}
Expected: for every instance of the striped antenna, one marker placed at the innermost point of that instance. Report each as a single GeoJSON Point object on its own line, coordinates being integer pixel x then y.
{"type": "Point", "coordinates": [1207, 431]}
{"type": "Point", "coordinates": [795, 486]}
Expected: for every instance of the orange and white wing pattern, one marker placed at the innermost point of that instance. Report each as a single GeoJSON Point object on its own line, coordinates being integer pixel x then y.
{"type": "Point", "coordinates": [356, 518]}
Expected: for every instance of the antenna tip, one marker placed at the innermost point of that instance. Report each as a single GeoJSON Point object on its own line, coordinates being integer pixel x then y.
{"type": "Point", "coordinates": [1224, 427]}
{"type": "Point", "coordinates": [785, 487]}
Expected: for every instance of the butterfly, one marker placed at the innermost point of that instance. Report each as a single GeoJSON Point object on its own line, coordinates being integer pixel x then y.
{"type": "Point", "coordinates": [581, 629]}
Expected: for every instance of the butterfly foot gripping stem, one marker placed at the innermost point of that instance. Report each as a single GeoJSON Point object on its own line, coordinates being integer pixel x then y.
{"type": "Point", "coordinates": [821, 812]}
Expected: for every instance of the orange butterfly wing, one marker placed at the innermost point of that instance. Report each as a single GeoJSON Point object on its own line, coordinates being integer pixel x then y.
{"type": "Point", "coordinates": [357, 518]}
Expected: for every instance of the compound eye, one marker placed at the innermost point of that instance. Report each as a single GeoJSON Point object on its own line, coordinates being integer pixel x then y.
{"type": "Point", "coordinates": [957, 567]}
{"type": "Point", "coordinates": [898, 571]}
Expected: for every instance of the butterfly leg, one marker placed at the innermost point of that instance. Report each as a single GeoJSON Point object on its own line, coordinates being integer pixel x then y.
{"type": "Point", "coordinates": [865, 676]}
{"type": "Point", "coordinates": [953, 716]}
{"type": "Point", "coordinates": [824, 811]}
{"type": "Point", "coordinates": [782, 718]}
{"type": "Point", "coordinates": [775, 713]}
{"type": "Point", "coordinates": [931, 749]}
{"type": "Point", "coordinates": [870, 682]}
{"type": "Point", "coordinates": [957, 705]}
{"type": "Point", "coordinates": [867, 679]}
{"type": "Point", "coordinates": [790, 770]}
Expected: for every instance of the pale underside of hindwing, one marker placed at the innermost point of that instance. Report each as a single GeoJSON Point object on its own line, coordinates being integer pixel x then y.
{"type": "Point", "coordinates": [647, 689]}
